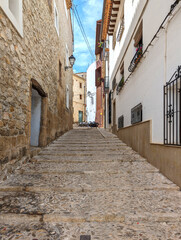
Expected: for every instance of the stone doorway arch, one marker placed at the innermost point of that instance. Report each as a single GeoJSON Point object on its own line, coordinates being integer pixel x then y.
{"type": "Point", "coordinates": [39, 102]}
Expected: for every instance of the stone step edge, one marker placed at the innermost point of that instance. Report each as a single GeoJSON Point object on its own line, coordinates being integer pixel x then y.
{"type": "Point", "coordinates": [48, 153]}
{"type": "Point", "coordinates": [33, 189]}
{"type": "Point", "coordinates": [24, 172]}
{"type": "Point", "coordinates": [17, 219]}
{"type": "Point", "coordinates": [85, 161]}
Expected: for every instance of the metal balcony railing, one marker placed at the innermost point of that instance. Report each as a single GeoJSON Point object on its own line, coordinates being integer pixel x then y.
{"type": "Point", "coordinates": [136, 59]}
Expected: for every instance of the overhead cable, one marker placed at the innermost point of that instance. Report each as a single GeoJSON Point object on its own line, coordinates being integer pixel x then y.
{"type": "Point", "coordinates": [83, 31]}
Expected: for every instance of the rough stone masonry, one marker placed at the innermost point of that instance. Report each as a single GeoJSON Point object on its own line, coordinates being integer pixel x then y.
{"type": "Point", "coordinates": [33, 59]}
{"type": "Point", "coordinates": [89, 185]}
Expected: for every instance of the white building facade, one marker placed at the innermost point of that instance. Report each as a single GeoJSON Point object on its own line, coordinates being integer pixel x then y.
{"type": "Point", "coordinates": [91, 93]}
{"type": "Point", "coordinates": [144, 57]}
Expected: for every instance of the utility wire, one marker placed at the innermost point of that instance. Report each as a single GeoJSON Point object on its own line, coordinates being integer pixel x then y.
{"type": "Point", "coordinates": [83, 31]}
{"type": "Point", "coordinates": [155, 36]}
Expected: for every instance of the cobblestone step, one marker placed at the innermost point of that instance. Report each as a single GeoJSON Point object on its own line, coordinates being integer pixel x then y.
{"type": "Point", "coordinates": [88, 203]}
{"type": "Point", "coordinates": [89, 183]}
{"type": "Point", "coordinates": [126, 167]}
{"type": "Point", "coordinates": [93, 180]}
{"type": "Point", "coordinates": [97, 231]}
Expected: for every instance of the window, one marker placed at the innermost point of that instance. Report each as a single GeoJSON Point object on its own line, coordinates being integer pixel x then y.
{"type": "Point", "coordinates": [67, 97]}
{"type": "Point", "coordinates": [14, 11]}
{"type": "Point", "coordinates": [80, 85]}
{"type": "Point", "coordinates": [121, 122]}
{"type": "Point", "coordinates": [92, 100]}
{"type": "Point", "coordinates": [120, 30]}
{"type": "Point", "coordinates": [114, 83]}
{"type": "Point", "coordinates": [138, 39]}
{"type": "Point", "coordinates": [80, 96]}
{"type": "Point", "coordinates": [56, 18]}
{"type": "Point", "coordinates": [60, 72]}
{"type": "Point", "coordinates": [138, 48]}
{"type": "Point", "coordinates": [121, 82]}
{"type": "Point", "coordinates": [136, 114]}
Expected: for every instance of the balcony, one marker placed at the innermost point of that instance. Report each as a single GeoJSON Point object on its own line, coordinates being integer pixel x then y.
{"type": "Point", "coordinates": [106, 84]}
{"type": "Point", "coordinates": [136, 59]}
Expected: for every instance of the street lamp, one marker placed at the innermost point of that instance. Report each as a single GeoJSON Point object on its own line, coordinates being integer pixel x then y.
{"type": "Point", "coordinates": [72, 61]}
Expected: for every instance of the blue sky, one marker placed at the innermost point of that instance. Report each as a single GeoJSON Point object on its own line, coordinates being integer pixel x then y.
{"type": "Point", "coordinates": [89, 11]}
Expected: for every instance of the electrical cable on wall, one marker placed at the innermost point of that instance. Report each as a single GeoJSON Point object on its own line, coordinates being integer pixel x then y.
{"type": "Point", "coordinates": [155, 36]}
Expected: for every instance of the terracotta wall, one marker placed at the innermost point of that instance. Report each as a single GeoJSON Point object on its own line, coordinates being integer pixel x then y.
{"type": "Point", "coordinates": [166, 158]}
{"type": "Point", "coordinates": [99, 106]}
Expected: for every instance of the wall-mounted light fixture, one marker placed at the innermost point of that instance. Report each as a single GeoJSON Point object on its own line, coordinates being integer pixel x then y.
{"type": "Point", "coordinates": [72, 61]}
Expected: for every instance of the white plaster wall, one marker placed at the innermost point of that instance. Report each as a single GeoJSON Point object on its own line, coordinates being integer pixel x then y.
{"type": "Point", "coordinates": [35, 117]}
{"type": "Point", "coordinates": [91, 108]}
{"type": "Point", "coordinates": [129, 11]}
{"type": "Point", "coordinates": [146, 83]}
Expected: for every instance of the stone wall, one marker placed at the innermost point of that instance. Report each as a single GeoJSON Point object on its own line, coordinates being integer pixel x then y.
{"type": "Point", "coordinates": [35, 56]}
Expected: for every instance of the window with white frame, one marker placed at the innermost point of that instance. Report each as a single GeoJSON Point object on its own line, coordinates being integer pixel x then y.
{"type": "Point", "coordinates": [14, 11]}
{"type": "Point", "coordinates": [67, 97]}
{"type": "Point", "coordinates": [56, 18]}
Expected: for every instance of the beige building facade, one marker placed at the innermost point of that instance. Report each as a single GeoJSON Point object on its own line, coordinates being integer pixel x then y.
{"type": "Point", "coordinates": [79, 98]}
{"type": "Point", "coordinates": [35, 90]}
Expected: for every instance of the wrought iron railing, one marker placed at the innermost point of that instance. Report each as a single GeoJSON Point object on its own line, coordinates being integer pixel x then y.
{"type": "Point", "coordinates": [172, 110]}
{"type": "Point", "coordinates": [136, 59]}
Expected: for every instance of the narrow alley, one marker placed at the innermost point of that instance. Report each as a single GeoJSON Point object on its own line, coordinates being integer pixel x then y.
{"type": "Point", "coordinates": [89, 185]}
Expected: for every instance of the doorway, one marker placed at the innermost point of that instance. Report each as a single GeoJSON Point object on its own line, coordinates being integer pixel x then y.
{"type": "Point", "coordinates": [114, 117]}
{"type": "Point", "coordinates": [36, 102]}
{"type": "Point", "coordinates": [80, 116]}
{"type": "Point", "coordinates": [114, 114]}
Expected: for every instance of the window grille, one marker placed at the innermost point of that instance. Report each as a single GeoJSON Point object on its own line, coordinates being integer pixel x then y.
{"type": "Point", "coordinates": [136, 114]}
{"type": "Point", "coordinates": [172, 110]}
